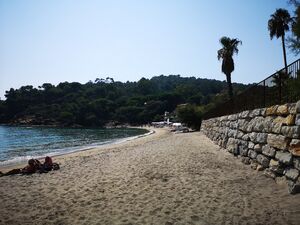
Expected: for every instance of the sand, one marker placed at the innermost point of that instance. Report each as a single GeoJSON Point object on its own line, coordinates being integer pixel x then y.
{"type": "Point", "coordinates": [164, 178]}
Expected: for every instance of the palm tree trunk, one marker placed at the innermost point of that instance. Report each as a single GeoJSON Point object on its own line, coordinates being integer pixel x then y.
{"type": "Point", "coordinates": [230, 93]}
{"type": "Point", "coordinates": [285, 68]}
{"type": "Point", "coordinates": [284, 53]}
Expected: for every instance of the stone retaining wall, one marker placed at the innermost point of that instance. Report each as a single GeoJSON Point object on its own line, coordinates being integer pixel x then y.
{"type": "Point", "coordinates": [268, 139]}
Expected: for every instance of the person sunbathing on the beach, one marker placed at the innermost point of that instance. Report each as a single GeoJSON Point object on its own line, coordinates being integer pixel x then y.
{"type": "Point", "coordinates": [33, 166]}
{"type": "Point", "coordinates": [48, 164]}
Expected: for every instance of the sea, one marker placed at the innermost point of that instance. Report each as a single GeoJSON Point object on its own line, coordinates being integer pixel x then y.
{"type": "Point", "coordinates": [18, 144]}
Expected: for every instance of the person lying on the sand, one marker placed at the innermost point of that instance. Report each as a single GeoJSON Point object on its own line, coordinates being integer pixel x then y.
{"type": "Point", "coordinates": [33, 166]}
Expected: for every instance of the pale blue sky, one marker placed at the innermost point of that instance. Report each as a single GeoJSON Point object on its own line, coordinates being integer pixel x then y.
{"type": "Point", "coordinates": [66, 40]}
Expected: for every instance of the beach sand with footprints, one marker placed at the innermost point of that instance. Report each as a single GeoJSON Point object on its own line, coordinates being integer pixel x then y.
{"type": "Point", "coordinates": [163, 178]}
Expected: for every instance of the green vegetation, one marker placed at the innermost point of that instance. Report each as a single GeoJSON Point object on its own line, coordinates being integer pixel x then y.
{"type": "Point", "coordinates": [108, 102]}
{"type": "Point", "coordinates": [229, 47]}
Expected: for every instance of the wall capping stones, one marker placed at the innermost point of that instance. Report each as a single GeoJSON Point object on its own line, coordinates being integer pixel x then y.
{"type": "Point", "coordinates": [266, 138]}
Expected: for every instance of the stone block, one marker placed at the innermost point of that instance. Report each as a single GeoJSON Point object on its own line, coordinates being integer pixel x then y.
{"type": "Point", "coordinates": [258, 124]}
{"type": "Point", "coordinates": [276, 167]}
{"type": "Point", "coordinates": [278, 141]}
{"type": "Point", "coordinates": [276, 128]}
{"type": "Point", "coordinates": [268, 124]}
{"type": "Point", "coordinates": [268, 151]}
{"type": "Point", "coordinates": [292, 108]}
{"type": "Point", "coordinates": [298, 107]}
{"type": "Point", "coordinates": [258, 137]}
{"type": "Point", "coordinates": [258, 148]}
{"type": "Point", "coordinates": [245, 137]}
{"type": "Point", "coordinates": [296, 162]}
{"type": "Point", "coordinates": [271, 110]}
{"type": "Point", "coordinates": [251, 145]}
{"type": "Point", "coordinates": [263, 160]}
{"type": "Point", "coordinates": [239, 135]}
{"type": "Point", "coordinates": [295, 147]}
{"type": "Point", "coordinates": [282, 110]}
{"type": "Point", "coordinates": [255, 113]}
{"type": "Point", "coordinates": [243, 151]}
{"type": "Point", "coordinates": [291, 131]}
{"type": "Point", "coordinates": [284, 157]}
{"type": "Point", "coordinates": [233, 117]}
{"type": "Point", "coordinates": [297, 120]}
{"type": "Point", "coordinates": [294, 187]}
{"type": "Point", "coordinates": [290, 120]}
{"type": "Point", "coordinates": [292, 174]}
{"type": "Point", "coordinates": [252, 154]}
{"type": "Point", "coordinates": [245, 114]}
{"type": "Point", "coordinates": [279, 120]}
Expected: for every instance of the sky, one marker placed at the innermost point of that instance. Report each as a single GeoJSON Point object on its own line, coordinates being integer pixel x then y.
{"type": "Point", "coordinates": [43, 41]}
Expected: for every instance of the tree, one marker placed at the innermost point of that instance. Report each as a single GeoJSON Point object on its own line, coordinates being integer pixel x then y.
{"type": "Point", "coordinates": [191, 115]}
{"type": "Point", "coordinates": [278, 24]}
{"type": "Point", "coordinates": [294, 41]}
{"type": "Point", "coordinates": [229, 47]}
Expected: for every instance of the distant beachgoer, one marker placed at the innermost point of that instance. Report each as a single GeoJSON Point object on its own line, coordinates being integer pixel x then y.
{"type": "Point", "coordinates": [48, 164]}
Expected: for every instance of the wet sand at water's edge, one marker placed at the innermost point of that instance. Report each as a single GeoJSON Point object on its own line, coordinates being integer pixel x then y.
{"type": "Point", "coordinates": [164, 178]}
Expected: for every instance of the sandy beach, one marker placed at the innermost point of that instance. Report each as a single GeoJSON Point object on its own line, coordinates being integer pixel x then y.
{"type": "Point", "coordinates": [163, 178]}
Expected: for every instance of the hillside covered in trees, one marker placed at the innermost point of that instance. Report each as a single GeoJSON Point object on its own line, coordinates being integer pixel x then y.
{"type": "Point", "coordinates": [105, 101]}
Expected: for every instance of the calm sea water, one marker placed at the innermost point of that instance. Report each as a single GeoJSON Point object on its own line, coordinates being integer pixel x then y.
{"type": "Point", "coordinates": [22, 143]}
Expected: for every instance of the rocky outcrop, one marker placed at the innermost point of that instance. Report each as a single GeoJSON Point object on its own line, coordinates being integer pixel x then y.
{"type": "Point", "coordinates": [267, 138]}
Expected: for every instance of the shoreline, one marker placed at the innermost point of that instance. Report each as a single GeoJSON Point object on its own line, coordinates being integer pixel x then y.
{"type": "Point", "coordinates": [23, 163]}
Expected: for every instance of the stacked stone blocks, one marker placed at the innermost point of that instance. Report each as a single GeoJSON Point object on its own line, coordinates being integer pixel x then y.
{"type": "Point", "coordinates": [267, 138]}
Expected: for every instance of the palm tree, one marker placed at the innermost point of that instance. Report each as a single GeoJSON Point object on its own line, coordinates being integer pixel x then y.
{"type": "Point", "coordinates": [278, 25]}
{"type": "Point", "coordinates": [229, 47]}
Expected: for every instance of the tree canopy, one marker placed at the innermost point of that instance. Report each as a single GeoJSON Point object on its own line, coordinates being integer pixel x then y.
{"type": "Point", "coordinates": [106, 101]}
{"type": "Point", "coordinates": [229, 48]}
